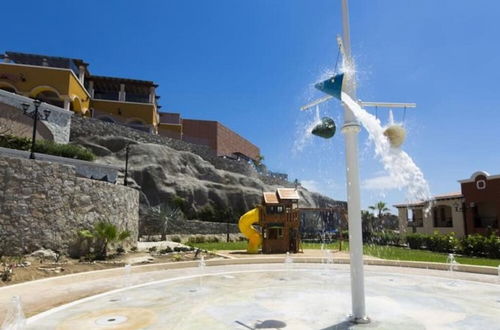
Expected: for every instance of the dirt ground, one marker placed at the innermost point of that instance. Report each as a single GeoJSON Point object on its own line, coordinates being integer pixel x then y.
{"type": "Point", "coordinates": [38, 269]}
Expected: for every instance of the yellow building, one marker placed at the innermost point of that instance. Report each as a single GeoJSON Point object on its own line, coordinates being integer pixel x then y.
{"type": "Point", "coordinates": [67, 83]}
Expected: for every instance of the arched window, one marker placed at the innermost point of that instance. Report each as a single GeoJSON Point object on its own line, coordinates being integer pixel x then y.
{"type": "Point", "coordinates": [106, 119]}
{"type": "Point", "coordinates": [8, 89]}
{"type": "Point", "coordinates": [50, 97]}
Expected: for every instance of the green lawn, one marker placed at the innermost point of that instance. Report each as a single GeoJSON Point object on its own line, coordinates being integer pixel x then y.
{"type": "Point", "coordinates": [383, 252]}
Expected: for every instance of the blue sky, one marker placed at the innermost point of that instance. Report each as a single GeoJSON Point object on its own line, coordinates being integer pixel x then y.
{"type": "Point", "coordinates": [251, 65]}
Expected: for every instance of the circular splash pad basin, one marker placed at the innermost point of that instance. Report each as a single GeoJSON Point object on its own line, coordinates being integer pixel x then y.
{"type": "Point", "coordinates": [302, 296]}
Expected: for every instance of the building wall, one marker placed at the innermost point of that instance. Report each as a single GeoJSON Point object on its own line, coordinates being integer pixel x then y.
{"type": "Point", "coordinates": [42, 204]}
{"type": "Point", "coordinates": [58, 122]}
{"type": "Point", "coordinates": [202, 132]}
{"type": "Point", "coordinates": [405, 215]}
{"type": "Point", "coordinates": [124, 112]}
{"type": "Point", "coordinates": [30, 80]}
{"type": "Point", "coordinates": [218, 137]}
{"type": "Point", "coordinates": [173, 131]}
{"type": "Point", "coordinates": [229, 142]}
{"type": "Point", "coordinates": [474, 194]}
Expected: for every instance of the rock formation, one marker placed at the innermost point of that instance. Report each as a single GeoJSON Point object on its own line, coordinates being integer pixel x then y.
{"type": "Point", "coordinates": [163, 173]}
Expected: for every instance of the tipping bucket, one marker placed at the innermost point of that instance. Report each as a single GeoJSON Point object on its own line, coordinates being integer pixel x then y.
{"type": "Point", "coordinates": [332, 86]}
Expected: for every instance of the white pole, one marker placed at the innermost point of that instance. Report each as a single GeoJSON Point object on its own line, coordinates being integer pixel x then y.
{"type": "Point", "coordinates": [351, 129]}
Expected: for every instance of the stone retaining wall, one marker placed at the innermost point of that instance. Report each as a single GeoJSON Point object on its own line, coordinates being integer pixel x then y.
{"type": "Point", "coordinates": [58, 121]}
{"type": "Point", "coordinates": [43, 204]}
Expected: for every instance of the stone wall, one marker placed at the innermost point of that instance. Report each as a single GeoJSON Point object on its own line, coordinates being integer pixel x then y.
{"type": "Point", "coordinates": [200, 227]}
{"type": "Point", "coordinates": [58, 121]}
{"type": "Point", "coordinates": [42, 204]}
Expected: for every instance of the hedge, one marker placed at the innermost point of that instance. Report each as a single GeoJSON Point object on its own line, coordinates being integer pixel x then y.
{"type": "Point", "coordinates": [473, 245]}
{"type": "Point", "coordinates": [47, 147]}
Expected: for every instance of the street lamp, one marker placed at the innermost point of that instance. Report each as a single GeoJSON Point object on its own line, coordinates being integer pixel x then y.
{"type": "Point", "coordinates": [127, 149]}
{"type": "Point", "coordinates": [36, 115]}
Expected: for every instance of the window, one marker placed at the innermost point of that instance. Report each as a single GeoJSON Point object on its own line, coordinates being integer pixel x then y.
{"type": "Point", "coordinates": [417, 218]}
{"type": "Point", "coordinates": [274, 209]}
{"type": "Point", "coordinates": [441, 216]}
{"type": "Point", "coordinates": [275, 232]}
{"type": "Point", "coordinates": [485, 215]}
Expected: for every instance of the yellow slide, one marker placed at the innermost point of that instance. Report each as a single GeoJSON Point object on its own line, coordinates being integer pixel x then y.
{"type": "Point", "coordinates": [246, 228]}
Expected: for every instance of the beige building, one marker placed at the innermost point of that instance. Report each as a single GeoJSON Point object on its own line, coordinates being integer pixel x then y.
{"type": "Point", "coordinates": [445, 216]}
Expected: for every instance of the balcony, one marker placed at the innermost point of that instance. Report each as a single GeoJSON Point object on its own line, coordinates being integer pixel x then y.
{"type": "Point", "coordinates": [139, 98]}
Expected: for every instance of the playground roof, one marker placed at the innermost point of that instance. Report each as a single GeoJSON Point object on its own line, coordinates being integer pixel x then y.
{"type": "Point", "coordinates": [270, 198]}
{"type": "Point", "coordinates": [288, 193]}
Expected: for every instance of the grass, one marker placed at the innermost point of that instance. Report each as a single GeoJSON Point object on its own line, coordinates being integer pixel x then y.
{"type": "Point", "coordinates": [383, 252]}
{"type": "Point", "coordinates": [240, 245]}
{"type": "Point", "coordinates": [398, 253]}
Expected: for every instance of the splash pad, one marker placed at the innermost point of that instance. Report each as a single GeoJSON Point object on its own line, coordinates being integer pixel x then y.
{"type": "Point", "coordinates": [291, 295]}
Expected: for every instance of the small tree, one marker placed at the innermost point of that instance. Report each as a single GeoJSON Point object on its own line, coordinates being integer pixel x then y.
{"type": "Point", "coordinates": [158, 218]}
{"type": "Point", "coordinates": [103, 234]}
{"type": "Point", "coordinates": [380, 207]}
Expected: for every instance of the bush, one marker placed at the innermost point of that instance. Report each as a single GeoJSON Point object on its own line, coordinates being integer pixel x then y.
{"type": "Point", "coordinates": [196, 239]}
{"type": "Point", "coordinates": [133, 249]}
{"type": "Point", "coordinates": [152, 249]}
{"type": "Point", "coordinates": [415, 241]}
{"type": "Point", "coordinates": [47, 147]}
{"type": "Point", "coordinates": [120, 250]}
{"type": "Point", "coordinates": [213, 239]}
{"type": "Point", "coordinates": [176, 239]}
{"type": "Point", "coordinates": [481, 246]}
{"type": "Point", "coordinates": [386, 238]}
{"type": "Point", "coordinates": [168, 249]}
{"type": "Point", "coordinates": [441, 243]}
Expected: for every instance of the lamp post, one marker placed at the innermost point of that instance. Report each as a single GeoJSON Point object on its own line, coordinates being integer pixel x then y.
{"type": "Point", "coordinates": [127, 149]}
{"type": "Point", "coordinates": [36, 115]}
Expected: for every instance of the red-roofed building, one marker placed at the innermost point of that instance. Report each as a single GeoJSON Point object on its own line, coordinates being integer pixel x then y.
{"type": "Point", "coordinates": [476, 209]}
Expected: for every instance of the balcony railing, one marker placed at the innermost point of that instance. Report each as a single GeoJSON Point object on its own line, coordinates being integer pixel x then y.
{"type": "Point", "coordinates": [136, 98]}
{"type": "Point", "coordinates": [106, 95]}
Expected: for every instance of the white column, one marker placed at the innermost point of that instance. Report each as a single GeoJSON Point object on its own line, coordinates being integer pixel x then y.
{"type": "Point", "coordinates": [67, 104]}
{"type": "Point", "coordinates": [122, 94]}
{"type": "Point", "coordinates": [351, 129]}
{"type": "Point", "coordinates": [152, 94]}
{"type": "Point", "coordinates": [91, 88]}
{"type": "Point", "coordinates": [81, 76]}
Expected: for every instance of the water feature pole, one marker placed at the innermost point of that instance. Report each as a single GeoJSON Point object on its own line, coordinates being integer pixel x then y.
{"type": "Point", "coordinates": [351, 129]}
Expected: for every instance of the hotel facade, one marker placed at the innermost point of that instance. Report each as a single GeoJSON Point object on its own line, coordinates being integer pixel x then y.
{"type": "Point", "coordinates": [68, 84]}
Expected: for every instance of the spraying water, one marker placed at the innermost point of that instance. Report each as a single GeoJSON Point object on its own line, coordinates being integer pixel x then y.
{"type": "Point", "coordinates": [14, 319]}
{"type": "Point", "coordinates": [304, 139]}
{"type": "Point", "coordinates": [400, 166]}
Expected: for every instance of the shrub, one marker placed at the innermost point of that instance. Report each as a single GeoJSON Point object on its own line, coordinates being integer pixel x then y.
{"type": "Point", "coordinates": [479, 245]}
{"type": "Point", "coordinates": [176, 239]}
{"type": "Point", "coordinates": [47, 147]}
{"type": "Point", "coordinates": [168, 249]}
{"type": "Point", "coordinates": [196, 239]}
{"type": "Point", "coordinates": [120, 250]}
{"type": "Point", "coordinates": [441, 243]}
{"type": "Point", "coordinates": [415, 241]}
{"type": "Point", "coordinates": [386, 238]}
{"type": "Point", "coordinates": [213, 239]}
{"type": "Point", "coordinates": [133, 249]}
{"type": "Point", "coordinates": [152, 249]}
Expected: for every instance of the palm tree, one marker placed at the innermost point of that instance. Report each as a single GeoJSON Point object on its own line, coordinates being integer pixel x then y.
{"type": "Point", "coordinates": [380, 207]}
{"type": "Point", "coordinates": [103, 234]}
